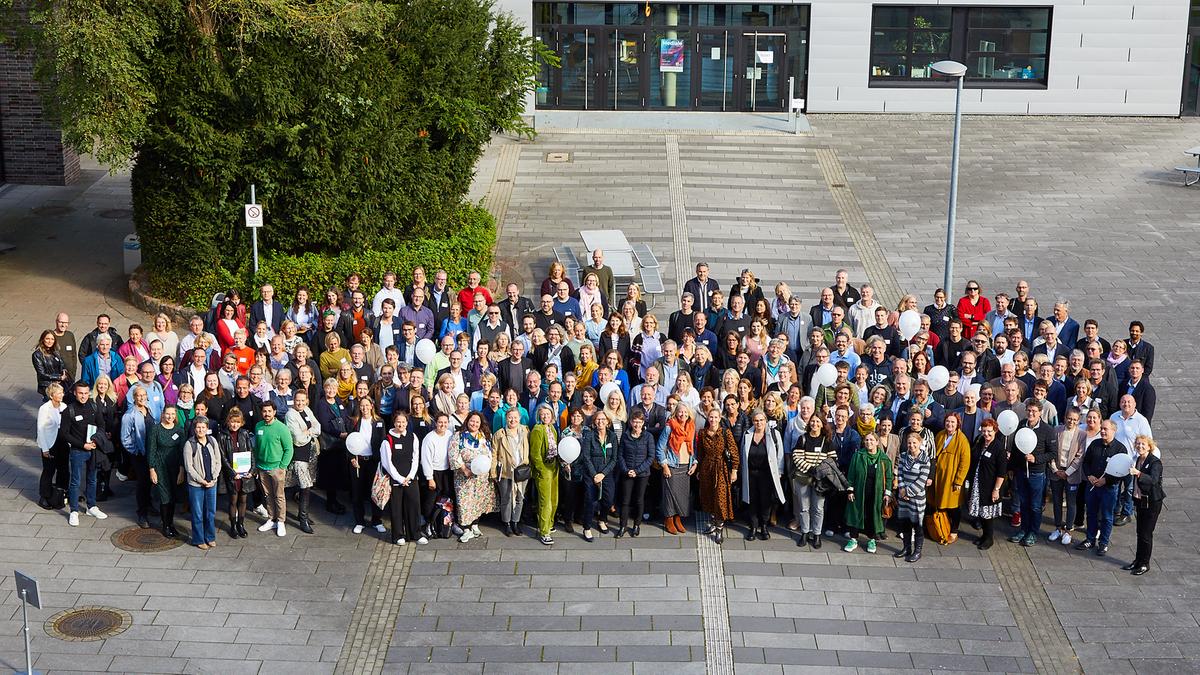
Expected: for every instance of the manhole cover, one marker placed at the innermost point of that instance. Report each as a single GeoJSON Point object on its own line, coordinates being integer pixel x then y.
{"type": "Point", "coordinates": [85, 624]}
{"type": "Point", "coordinates": [557, 157]}
{"type": "Point", "coordinates": [116, 214]}
{"type": "Point", "coordinates": [137, 540]}
{"type": "Point", "coordinates": [52, 210]}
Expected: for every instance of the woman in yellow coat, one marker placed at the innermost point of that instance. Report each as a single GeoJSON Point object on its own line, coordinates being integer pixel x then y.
{"type": "Point", "coordinates": [950, 474]}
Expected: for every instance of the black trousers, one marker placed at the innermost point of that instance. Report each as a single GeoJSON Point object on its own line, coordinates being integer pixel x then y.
{"type": "Point", "coordinates": [570, 494]}
{"type": "Point", "coordinates": [360, 490]}
{"type": "Point", "coordinates": [443, 487]}
{"type": "Point", "coordinates": [1147, 518]}
{"type": "Point", "coordinates": [52, 484]}
{"type": "Point", "coordinates": [762, 498]}
{"type": "Point", "coordinates": [404, 506]}
{"type": "Point", "coordinates": [141, 474]}
{"type": "Point", "coordinates": [1080, 506]}
{"type": "Point", "coordinates": [633, 498]}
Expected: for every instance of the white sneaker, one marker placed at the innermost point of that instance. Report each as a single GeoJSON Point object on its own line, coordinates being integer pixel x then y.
{"type": "Point", "coordinates": [467, 535]}
{"type": "Point", "coordinates": [475, 531]}
{"type": "Point", "coordinates": [1066, 539]}
{"type": "Point", "coordinates": [401, 542]}
{"type": "Point", "coordinates": [120, 476]}
{"type": "Point", "coordinates": [73, 519]}
{"type": "Point", "coordinates": [261, 511]}
{"type": "Point", "coordinates": [281, 530]}
{"type": "Point", "coordinates": [1055, 535]}
{"type": "Point", "coordinates": [380, 528]}
{"type": "Point", "coordinates": [422, 541]}
{"type": "Point", "coordinates": [829, 533]}
{"type": "Point", "coordinates": [358, 529]}
{"type": "Point", "coordinates": [267, 526]}
{"type": "Point", "coordinates": [96, 513]}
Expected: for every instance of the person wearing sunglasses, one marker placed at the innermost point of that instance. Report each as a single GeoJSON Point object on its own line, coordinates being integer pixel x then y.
{"type": "Point", "coordinates": [973, 309]}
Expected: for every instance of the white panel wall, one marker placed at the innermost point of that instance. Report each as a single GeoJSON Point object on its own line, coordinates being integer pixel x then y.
{"type": "Point", "coordinates": [1107, 57]}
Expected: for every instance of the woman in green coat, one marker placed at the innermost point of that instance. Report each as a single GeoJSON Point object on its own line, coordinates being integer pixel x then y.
{"type": "Point", "coordinates": [543, 456]}
{"type": "Point", "coordinates": [164, 454]}
{"type": "Point", "coordinates": [870, 479]}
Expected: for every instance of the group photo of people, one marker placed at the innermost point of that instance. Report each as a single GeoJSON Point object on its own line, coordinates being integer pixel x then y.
{"type": "Point", "coordinates": [594, 411]}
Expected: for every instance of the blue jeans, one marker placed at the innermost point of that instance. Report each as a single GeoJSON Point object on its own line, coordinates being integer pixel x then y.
{"type": "Point", "coordinates": [81, 462]}
{"type": "Point", "coordinates": [1032, 491]}
{"type": "Point", "coordinates": [204, 513]}
{"type": "Point", "coordinates": [1124, 502]}
{"type": "Point", "coordinates": [1100, 502]}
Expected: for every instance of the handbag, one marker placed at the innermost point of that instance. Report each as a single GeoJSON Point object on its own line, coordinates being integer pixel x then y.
{"type": "Point", "coordinates": [522, 473]}
{"type": "Point", "coordinates": [937, 526]}
{"type": "Point", "coordinates": [889, 508]}
{"type": "Point", "coordinates": [381, 488]}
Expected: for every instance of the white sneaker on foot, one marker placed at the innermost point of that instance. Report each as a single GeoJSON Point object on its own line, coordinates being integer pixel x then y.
{"type": "Point", "coordinates": [1066, 539]}
{"type": "Point", "coordinates": [422, 541]}
{"type": "Point", "coordinates": [400, 541]}
{"type": "Point", "coordinates": [73, 519]}
{"type": "Point", "coordinates": [261, 511]}
{"type": "Point", "coordinates": [1055, 535]}
{"type": "Point", "coordinates": [358, 529]}
{"type": "Point", "coordinates": [380, 528]}
{"type": "Point", "coordinates": [829, 533]}
{"type": "Point", "coordinates": [120, 476]}
{"type": "Point", "coordinates": [267, 526]}
{"type": "Point", "coordinates": [96, 513]}
{"type": "Point", "coordinates": [475, 531]}
{"type": "Point", "coordinates": [467, 535]}
{"type": "Point", "coordinates": [281, 530]}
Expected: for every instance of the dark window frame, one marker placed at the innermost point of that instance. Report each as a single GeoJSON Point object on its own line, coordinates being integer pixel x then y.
{"type": "Point", "coordinates": [958, 49]}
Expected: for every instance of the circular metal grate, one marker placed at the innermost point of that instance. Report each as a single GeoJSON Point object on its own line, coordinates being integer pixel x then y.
{"type": "Point", "coordinates": [116, 214]}
{"type": "Point", "coordinates": [86, 624]}
{"type": "Point", "coordinates": [137, 540]}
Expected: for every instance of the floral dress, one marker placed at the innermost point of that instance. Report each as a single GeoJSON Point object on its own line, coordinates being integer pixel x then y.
{"type": "Point", "coordinates": [475, 495]}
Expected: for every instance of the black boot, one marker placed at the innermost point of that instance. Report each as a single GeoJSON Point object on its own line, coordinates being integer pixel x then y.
{"type": "Point", "coordinates": [906, 545]}
{"type": "Point", "coordinates": [233, 527]}
{"type": "Point", "coordinates": [304, 523]}
{"type": "Point", "coordinates": [918, 536]}
{"type": "Point", "coordinates": [242, 527]}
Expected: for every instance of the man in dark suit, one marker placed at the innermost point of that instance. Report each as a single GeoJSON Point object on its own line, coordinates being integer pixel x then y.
{"type": "Point", "coordinates": [462, 379]}
{"type": "Point", "coordinates": [701, 287]}
{"type": "Point", "coordinates": [1051, 346]}
{"type": "Point", "coordinates": [1029, 323]}
{"type": "Point", "coordinates": [1066, 327]}
{"type": "Point", "coordinates": [355, 318]}
{"type": "Point", "coordinates": [1091, 333]}
{"type": "Point", "coordinates": [268, 309]}
{"type": "Point", "coordinates": [1138, 386]}
{"type": "Point", "coordinates": [103, 325]}
{"type": "Point", "coordinates": [513, 307]}
{"type": "Point", "coordinates": [1138, 348]}
{"type": "Point", "coordinates": [438, 298]}
{"type": "Point", "coordinates": [407, 347]}
{"type": "Point", "coordinates": [511, 372]}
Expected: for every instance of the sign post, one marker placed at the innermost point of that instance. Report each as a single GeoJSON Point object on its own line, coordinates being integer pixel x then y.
{"type": "Point", "coordinates": [27, 586]}
{"type": "Point", "coordinates": [254, 220]}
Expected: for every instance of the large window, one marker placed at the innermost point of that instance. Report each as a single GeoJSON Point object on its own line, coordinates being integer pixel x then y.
{"type": "Point", "coordinates": [1001, 46]}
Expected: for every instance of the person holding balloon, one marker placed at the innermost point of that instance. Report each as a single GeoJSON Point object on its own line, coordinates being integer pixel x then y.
{"type": "Point", "coordinates": [544, 449]}
{"type": "Point", "coordinates": [1038, 443]}
{"type": "Point", "coordinates": [368, 434]}
{"type": "Point", "coordinates": [1148, 498]}
{"type": "Point", "coordinates": [1105, 462]}
{"type": "Point", "coordinates": [471, 461]}
{"type": "Point", "coordinates": [570, 474]}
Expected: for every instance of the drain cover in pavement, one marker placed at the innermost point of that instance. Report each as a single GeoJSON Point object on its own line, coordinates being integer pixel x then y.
{"type": "Point", "coordinates": [85, 624]}
{"type": "Point", "coordinates": [557, 157]}
{"type": "Point", "coordinates": [116, 214]}
{"type": "Point", "coordinates": [137, 540]}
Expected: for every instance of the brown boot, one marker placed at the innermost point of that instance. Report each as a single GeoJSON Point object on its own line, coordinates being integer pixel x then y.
{"type": "Point", "coordinates": [669, 523]}
{"type": "Point", "coordinates": [679, 525]}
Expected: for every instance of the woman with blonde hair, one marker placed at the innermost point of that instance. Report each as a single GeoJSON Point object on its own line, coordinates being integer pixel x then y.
{"type": "Point", "coordinates": [647, 345]}
{"type": "Point", "coordinates": [688, 394]}
{"type": "Point", "coordinates": [499, 351]}
{"type": "Point", "coordinates": [586, 368]}
{"type": "Point", "coordinates": [615, 410]}
{"type": "Point", "coordinates": [1148, 497]}
{"type": "Point", "coordinates": [676, 453]}
{"type": "Point", "coordinates": [633, 293]}
{"type": "Point", "coordinates": [510, 445]}
{"type": "Point", "coordinates": [164, 332]}
{"type": "Point", "coordinates": [590, 294]}
{"type": "Point", "coordinates": [757, 340]}
{"type": "Point", "coordinates": [556, 275]}
{"type": "Point", "coordinates": [907, 302]}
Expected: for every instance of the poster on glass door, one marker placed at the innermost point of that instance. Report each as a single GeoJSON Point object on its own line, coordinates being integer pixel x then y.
{"type": "Point", "coordinates": [670, 55]}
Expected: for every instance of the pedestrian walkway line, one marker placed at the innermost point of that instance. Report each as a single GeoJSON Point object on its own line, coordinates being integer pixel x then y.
{"type": "Point", "coordinates": [879, 271]}
{"type": "Point", "coordinates": [1045, 639]}
{"type": "Point", "coordinates": [714, 605]}
{"type": "Point", "coordinates": [679, 228]}
{"type": "Point", "coordinates": [1048, 645]}
{"type": "Point", "coordinates": [500, 191]}
{"type": "Point", "coordinates": [374, 619]}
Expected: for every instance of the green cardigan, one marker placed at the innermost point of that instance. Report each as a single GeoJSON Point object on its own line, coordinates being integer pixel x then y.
{"type": "Point", "coordinates": [857, 513]}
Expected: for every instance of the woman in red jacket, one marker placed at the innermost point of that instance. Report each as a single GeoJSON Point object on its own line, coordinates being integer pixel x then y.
{"type": "Point", "coordinates": [973, 309]}
{"type": "Point", "coordinates": [227, 325]}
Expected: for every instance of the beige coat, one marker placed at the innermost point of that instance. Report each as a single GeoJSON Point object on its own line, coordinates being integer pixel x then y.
{"type": "Point", "coordinates": [193, 460]}
{"type": "Point", "coordinates": [511, 449]}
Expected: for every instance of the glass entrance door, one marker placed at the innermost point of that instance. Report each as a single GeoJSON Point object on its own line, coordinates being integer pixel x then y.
{"type": "Point", "coordinates": [715, 90]}
{"type": "Point", "coordinates": [626, 53]}
{"type": "Point", "coordinates": [582, 70]}
{"type": "Point", "coordinates": [1191, 76]}
{"type": "Point", "coordinates": [763, 72]}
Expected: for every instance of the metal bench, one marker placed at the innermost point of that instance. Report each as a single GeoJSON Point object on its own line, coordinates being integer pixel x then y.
{"type": "Point", "coordinates": [1188, 172]}
{"type": "Point", "coordinates": [645, 257]}
{"type": "Point", "coordinates": [566, 256]}
{"type": "Point", "coordinates": [652, 281]}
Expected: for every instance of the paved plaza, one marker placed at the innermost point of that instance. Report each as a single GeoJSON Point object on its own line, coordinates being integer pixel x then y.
{"type": "Point", "coordinates": [1086, 209]}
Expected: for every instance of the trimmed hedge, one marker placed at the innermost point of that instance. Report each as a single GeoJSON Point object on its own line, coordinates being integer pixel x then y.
{"type": "Point", "coordinates": [466, 248]}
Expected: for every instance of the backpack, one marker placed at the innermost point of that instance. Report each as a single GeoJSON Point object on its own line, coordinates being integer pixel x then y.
{"type": "Point", "coordinates": [442, 524]}
{"type": "Point", "coordinates": [937, 526]}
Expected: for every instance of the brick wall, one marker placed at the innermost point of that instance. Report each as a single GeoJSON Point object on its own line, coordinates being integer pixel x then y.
{"type": "Point", "coordinates": [31, 149]}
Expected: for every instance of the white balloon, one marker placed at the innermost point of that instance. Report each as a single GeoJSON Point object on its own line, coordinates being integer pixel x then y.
{"type": "Point", "coordinates": [481, 465]}
{"type": "Point", "coordinates": [358, 444]}
{"type": "Point", "coordinates": [426, 350]}
{"type": "Point", "coordinates": [938, 377]}
{"type": "Point", "coordinates": [1026, 440]}
{"type": "Point", "coordinates": [606, 390]}
{"type": "Point", "coordinates": [1119, 465]}
{"type": "Point", "coordinates": [827, 375]}
{"type": "Point", "coordinates": [1008, 422]}
{"type": "Point", "coordinates": [568, 449]}
{"type": "Point", "coordinates": [910, 323]}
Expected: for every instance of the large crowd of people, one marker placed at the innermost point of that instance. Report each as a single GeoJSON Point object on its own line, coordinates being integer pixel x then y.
{"type": "Point", "coordinates": [840, 422]}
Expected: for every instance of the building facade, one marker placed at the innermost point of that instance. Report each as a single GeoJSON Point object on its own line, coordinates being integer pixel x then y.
{"type": "Point", "coordinates": [1102, 57]}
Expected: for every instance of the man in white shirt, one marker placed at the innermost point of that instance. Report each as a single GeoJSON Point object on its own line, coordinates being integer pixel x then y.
{"type": "Point", "coordinates": [195, 330]}
{"type": "Point", "coordinates": [389, 290]}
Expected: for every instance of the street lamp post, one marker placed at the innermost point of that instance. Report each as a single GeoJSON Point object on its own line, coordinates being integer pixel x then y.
{"type": "Point", "coordinates": [958, 71]}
